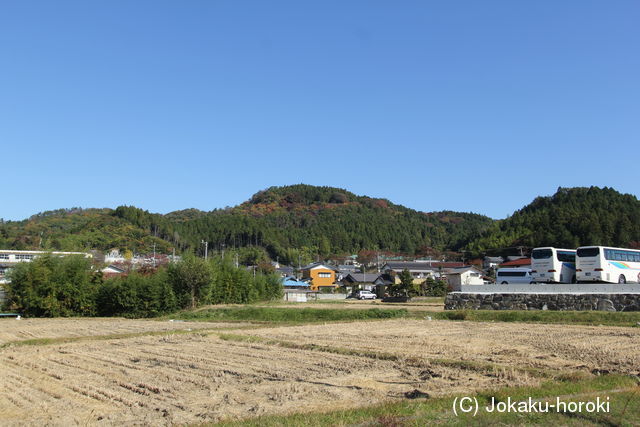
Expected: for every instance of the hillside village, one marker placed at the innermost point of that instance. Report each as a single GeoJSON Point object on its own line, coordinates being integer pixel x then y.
{"type": "Point", "coordinates": [309, 280]}
{"type": "Point", "coordinates": [325, 242]}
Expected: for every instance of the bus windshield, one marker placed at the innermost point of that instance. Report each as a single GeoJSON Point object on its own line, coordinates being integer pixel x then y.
{"type": "Point", "coordinates": [541, 254]}
{"type": "Point", "coordinates": [588, 252]}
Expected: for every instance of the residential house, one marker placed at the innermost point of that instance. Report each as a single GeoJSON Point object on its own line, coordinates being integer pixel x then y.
{"type": "Point", "coordinates": [420, 270]}
{"type": "Point", "coordinates": [321, 275]}
{"type": "Point", "coordinates": [294, 289]}
{"type": "Point", "coordinates": [290, 282]}
{"type": "Point", "coordinates": [357, 281]}
{"type": "Point", "coordinates": [285, 270]}
{"type": "Point", "coordinates": [344, 270]}
{"type": "Point", "coordinates": [469, 275]}
{"type": "Point", "coordinates": [381, 284]}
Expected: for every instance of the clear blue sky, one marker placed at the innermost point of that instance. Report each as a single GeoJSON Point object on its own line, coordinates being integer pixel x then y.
{"type": "Point", "coordinates": [463, 105]}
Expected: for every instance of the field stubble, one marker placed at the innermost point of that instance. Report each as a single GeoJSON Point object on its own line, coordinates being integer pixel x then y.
{"type": "Point", "coordinates": [198, 377]}
{"type": "Point", "coordinates": [12, 330]}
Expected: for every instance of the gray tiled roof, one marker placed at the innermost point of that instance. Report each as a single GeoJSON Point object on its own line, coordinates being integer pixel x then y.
{"type": "Point", "coordinates": [363, 277]}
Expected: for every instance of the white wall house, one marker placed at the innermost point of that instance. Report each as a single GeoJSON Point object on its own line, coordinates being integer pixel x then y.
{"type": "Point", "coordinates": [457, 277]}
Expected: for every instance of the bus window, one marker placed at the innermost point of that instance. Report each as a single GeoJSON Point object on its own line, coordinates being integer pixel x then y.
{"type": "Point", "coordinates": [588, 252]}
{"type": "Point", "coordinates": [566, 257]}
{"type": "Point", "coordinates": [541, 254]}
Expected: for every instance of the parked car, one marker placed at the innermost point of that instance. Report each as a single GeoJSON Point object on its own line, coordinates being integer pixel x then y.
{"type": "Point", "coordinates": [365, 295]}
{"type": "Point", "coordinates": [507, 276]}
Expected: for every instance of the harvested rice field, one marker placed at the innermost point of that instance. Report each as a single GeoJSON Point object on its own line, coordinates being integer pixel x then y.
{"type": "Point", "coordinates": [12, 330]}
{"type": "Point", "coordinates": [209, 375]}
{"type": "Point", "coordinates": [554, 347]}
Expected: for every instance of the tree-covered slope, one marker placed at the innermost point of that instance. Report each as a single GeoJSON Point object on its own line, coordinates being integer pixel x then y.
{"type": "Point", "coordinates": [316, 220]}
{"type": "Point", "coordinates": [336, 221]}
{"type": "Point", "coordinates": [306, 221]}
{"type": "Point", "coordinates": [570, 218]}
{"type": "Point", "coordinates": [77, 230]}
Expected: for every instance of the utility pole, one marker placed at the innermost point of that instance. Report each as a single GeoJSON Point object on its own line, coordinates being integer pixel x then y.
{"type": "Point", "coordinates": [206, 249]}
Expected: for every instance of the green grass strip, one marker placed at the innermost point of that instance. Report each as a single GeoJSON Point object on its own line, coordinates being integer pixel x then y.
{"type": "Point", "coordinates": [291, 315]}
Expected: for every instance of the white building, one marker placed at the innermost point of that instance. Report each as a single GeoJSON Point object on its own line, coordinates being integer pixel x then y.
{"type": "Point", "coordinates": [113, 256]}
{"type": "Point", "coordinates": [456, 277]}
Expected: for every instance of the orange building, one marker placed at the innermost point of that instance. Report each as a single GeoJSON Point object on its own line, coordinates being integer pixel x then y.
{"type": "Point", "coordinates": [321, 275]}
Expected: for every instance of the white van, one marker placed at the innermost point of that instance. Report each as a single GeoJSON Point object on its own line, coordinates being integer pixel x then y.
{"type": "Point", "coordinates": [507, 276]}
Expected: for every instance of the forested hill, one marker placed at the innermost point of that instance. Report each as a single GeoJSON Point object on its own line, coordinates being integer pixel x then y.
{"type": "Point", "coordinates": [78, 229]}
{"type": "Point", "coordinates": [570, 218]}
{"type": "Point", "coordinates": [316, 220]}
{"type": "Point", "coordinates": [303, 220]}
{"type": "Point", "coordinates": [328, 220]}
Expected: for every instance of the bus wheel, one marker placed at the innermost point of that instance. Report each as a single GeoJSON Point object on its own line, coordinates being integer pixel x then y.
{"type": "Point", "coordinates": [504, 283]}
{"type": "Point", "coordinates": [621, 279]}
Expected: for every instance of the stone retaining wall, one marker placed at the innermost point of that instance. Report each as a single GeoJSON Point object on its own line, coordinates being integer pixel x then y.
{"type": "Point", "coordinates": [522, 301]}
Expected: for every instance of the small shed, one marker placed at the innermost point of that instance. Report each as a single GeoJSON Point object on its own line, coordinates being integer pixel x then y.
{"type": "Point", "coordinates": [456, 277]}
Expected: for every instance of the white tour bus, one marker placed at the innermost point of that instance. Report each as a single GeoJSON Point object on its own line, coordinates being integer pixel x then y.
{"type": "Point", "coordinates": [553, 265]}
{"type": "Point", "coordinates": [602, 264]}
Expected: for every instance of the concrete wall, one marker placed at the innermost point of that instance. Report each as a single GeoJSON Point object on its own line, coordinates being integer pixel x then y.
{"type": "Point", "coordinates": [543, 301]}
{"type": "Point", "coordinates": [296, 296]}
{"type": "Point", "coordinates": [331, 296]}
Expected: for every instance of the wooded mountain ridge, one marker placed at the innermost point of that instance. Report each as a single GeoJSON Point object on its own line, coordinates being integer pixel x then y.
{"type": "Point", "coordinates": [309, 221]}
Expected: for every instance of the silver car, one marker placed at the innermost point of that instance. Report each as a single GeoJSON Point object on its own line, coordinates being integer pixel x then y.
{"type": "Point", "coordinates": [366, 295]}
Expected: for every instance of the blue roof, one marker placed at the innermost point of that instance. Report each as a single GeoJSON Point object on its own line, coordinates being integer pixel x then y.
{"type": "Point", "coordinates": [292, 282]}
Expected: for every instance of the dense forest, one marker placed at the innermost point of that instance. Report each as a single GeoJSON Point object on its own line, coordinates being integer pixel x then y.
{"type": "Point", "coordinates": [288, 222]}
{"type": "Point", "coordinates": [304, 222]}
{"type": "Point", "coordinates": [570, 218]}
